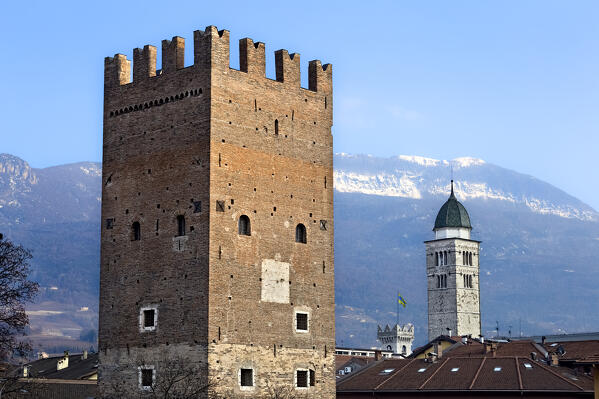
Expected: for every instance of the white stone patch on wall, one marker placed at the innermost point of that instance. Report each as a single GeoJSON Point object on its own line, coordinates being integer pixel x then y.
{"type": "Point", "coordinates": [275, 281]}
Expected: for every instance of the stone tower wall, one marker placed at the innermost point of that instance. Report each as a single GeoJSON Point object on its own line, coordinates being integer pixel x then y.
{"type": "Point", "coordinates": [456, 306]}
{"type": "Point", "coordinates": [212, 143]}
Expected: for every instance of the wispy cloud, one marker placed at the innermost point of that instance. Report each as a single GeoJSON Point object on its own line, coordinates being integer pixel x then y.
{"type": "Point", "coordinates": [400, 112]}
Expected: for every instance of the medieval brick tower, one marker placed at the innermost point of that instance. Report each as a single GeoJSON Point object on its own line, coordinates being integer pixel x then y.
{"type": "Point", "coordinates": [217, 209]}
{"type": "Point", "coordinates": [452, 270]}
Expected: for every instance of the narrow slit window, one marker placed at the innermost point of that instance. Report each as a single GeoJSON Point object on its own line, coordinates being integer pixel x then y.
{"type": "Point", "coordinates": [312, 377]}
{"type": "Point", "coordinates": [180, 225]}
{"type": "Point", "coordinates": [276, 127]}
{"type": "Point", "coordinates": [135, 231]}
{"type": "Point", "coordinates": [244, 226]}
{"type": "Point", "coordinates": [300, 234]}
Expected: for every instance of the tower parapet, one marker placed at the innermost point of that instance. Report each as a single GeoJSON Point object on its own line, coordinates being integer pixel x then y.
{"type": "Point", "coordinates": [173, 54]}
{"type": "Point", "coordinates": [212, 50]}
{"type": "Point", "coordinates": [252, 57]}
{"type": "Point", "coordinates": [117, 70]}
{"type": "Point", "coordinates": [144, 63]}
{"type": "Point", "coordinates": [398, 338]}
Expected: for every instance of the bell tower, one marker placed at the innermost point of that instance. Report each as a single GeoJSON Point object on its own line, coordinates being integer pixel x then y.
{"type": "Point", "coordinates": [452, 270]}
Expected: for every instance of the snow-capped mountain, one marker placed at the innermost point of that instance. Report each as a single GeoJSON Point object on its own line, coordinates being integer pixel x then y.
{"type": "Point", "coordinates": [418, 177]}
{"type": "Point", "coordinates": [538, 263]}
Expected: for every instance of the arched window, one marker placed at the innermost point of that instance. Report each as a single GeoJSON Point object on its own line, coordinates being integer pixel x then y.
{"type": "Point", "coordinates": [445, 257]}
{"type": "Point", "coordinates": [463, 258]}
{"type": "Point", "coordinates": [438, 282]}
{"type": "Point", "coordinates": [135, 231]}
{"type": "Point", "coordinates": [276, 126]}
{"type": "Point", "coordinates": [180, 225]}
{"type": "Point", "coordinates": [244, 226]}
{"type": "Point", "coordinates": [300, 234]}
{"type": "Point", "coordinates": [403, 350]}
{"type": "Point", "coordinates": [470, 259]}
{"type": "Point", "coordinates": [436, 259]}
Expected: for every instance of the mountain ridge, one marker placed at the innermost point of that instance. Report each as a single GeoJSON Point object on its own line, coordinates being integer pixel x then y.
{"type": "Point", "coordinates": [531, 250]}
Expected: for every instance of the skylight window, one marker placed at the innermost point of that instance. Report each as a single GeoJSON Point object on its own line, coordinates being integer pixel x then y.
{"type": "Point", "coordinates": [497, 369]}
{"type": "Point", "coordinates": [453, 370]}
{"type": "Point", "coordinates": [554, 344]}
{"type": "Point", "coordinates": [421, 370]}
{"type": "Point", "coordinates": [528, 365]}
{"type": "Point", "coordinates": [386, 371]}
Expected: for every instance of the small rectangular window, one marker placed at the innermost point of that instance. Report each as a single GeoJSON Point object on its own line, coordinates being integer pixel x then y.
{"type": "Point", "coordinates": [301, 321]}
{"type": "Point", "coordinates": [246, 378]}
{"type": "Point", "coordinates": [312, 378]}
{"type": "Point", "coordinates": [109, 224]}
{"type": "Point", "coordinates": [302, 378]}
{"type": "Point", "coordinates": [323, 225]}
{"type": "Point", "coordinates": [220, 206]}
{"type": "Point", "coordinates": [146, 377]}
{"type": "Point", "coordinates": [148, 318]}
{"type": "Point", "coordinates": [197, 206]}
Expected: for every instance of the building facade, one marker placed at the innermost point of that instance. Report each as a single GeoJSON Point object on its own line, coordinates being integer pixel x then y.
{"type": "Point", "coordinates": [452, 269]}
{"type": "Point", "coordinates": [397, 339]}
{"type": "Point", "coordinates": [217, 210]}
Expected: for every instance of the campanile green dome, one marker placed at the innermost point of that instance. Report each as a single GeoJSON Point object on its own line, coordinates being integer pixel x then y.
{"type": "Point", "coordinates": [452, 214]}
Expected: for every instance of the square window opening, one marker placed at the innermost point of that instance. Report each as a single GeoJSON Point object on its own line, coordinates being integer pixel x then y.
{"type": "Point", "coordinates": [149, 318]}
{"type": "Point", "coordinates": [302, 378]}
{"type": "Point", "coordinates": [147, 377]}
{"type": "Point", "coordinates": [301, 321]}
{"type": "Point", "coordinates": [246, 378]}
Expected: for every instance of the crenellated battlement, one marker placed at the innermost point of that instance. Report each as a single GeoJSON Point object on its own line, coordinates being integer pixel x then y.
{"type": "Point", "coordinates": [212, 51]}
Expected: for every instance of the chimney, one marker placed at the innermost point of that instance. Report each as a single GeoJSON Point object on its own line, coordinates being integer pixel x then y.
{"type": "Point", "coordinates": [84, 355]}
{"type": "Point", "coordinates": [543, 340]}
{"type": "Point", "coordinates": [378, 355]}
{"type": "Point", "coordinates": [25, 371]}
{"type": "Point", "coordinates": [533, 355]}
{"type": "Point", "coordinates": [448, 331]}
{"type": "Point", "coordinates": [465, 340]}
{"type": "Point", "coordinates": [438, 350]}
{"type": "Point", "coordinates": [554, 359]}
{"type": "Point", "coordinates": [482, 339]}
{"type": "Point", "coordinates": [64, 362]}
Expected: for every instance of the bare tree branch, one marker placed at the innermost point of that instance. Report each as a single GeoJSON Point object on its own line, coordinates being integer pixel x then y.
{"type": "Point", "coordinates": [15, 291]}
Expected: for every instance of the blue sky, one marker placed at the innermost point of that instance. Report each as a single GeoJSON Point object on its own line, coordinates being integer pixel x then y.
{"type": "Point", "coordinates": [515, 83]}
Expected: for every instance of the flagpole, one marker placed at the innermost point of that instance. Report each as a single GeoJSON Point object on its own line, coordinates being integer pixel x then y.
{"type": "Point", "coordinates": [397, 300]}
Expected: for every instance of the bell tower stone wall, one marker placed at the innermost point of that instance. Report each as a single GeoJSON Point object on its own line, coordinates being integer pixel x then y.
{"type": "Point", "coordinates": [452, 269]}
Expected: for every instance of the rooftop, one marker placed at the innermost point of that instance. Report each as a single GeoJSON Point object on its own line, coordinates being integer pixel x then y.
{"type": "Point", "coordinates": [474, 374]}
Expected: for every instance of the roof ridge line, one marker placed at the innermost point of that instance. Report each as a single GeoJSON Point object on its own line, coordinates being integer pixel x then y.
{"type": "Point", "coordinates": [477, 373]}
{"type": "Point", "coordinates": [520, 384]}
{"type": "Point", "coordinates": [434, 373]}
{"type": "Point", "coordinates": [360, 371]}
{"type": "Point", "coordinates": [560, 376]}
{"type": "Point", "coordinates": [393, 375]}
